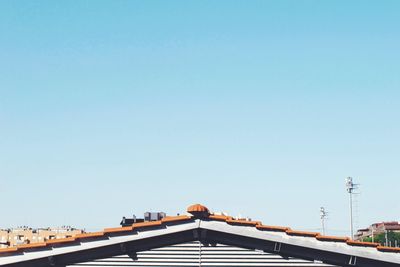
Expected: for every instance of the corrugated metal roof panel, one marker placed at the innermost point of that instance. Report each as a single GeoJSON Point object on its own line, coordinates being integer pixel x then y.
{"type": "Point", "coordinates": [196, 254]}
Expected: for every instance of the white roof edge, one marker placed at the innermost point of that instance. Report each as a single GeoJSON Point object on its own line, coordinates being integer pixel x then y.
{"type": "Point", "coordinates": [309, 242]}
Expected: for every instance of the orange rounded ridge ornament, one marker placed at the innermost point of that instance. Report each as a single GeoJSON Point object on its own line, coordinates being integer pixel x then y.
{"type": "Point", "coordinates": [198, 210]}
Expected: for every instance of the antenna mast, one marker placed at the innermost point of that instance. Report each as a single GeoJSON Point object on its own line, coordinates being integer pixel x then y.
{"type": "Point", "coordinates": [323, 214]}
{"type": "Point", "coordinates": [350, 187]}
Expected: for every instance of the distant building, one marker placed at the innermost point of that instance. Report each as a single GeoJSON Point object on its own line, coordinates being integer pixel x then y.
{"type": "Point", "coordinates": [25, 235]}
{"type": "Point", "coordinates": [377, 228]}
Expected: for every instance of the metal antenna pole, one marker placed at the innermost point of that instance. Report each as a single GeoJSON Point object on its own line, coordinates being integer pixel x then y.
{"type": "Point", "coordinates": [323, 216]}
{"type": "Point", "coordinates": [350, 188]}
{"type": "Point", "coordinates": [351, 216]}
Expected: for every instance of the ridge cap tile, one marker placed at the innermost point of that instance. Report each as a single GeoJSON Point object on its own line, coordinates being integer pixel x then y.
{"type": "Point", "coordinates": [272, 228]}
{"type": "Point", "coordinates": [176, 218]}
{"type": "Point", "coordinates": [89, 235]}
{"type": "Point", "coordinates": [218, 217]}
{"type": "Point", "coordinates": [118, 229]}
{"type": "Point", "coordinates": [388, 249]}
{"type": "Point", "coordinates": [32, 245]}
{"type": "Point", "coordinates": [362, 244]}
{"type": "Point", "coordinates": [8, 250]}
{"type": "Point", "coordinates": [60, 240]}
{"type": "Point", "coordinates": [302, 233]}
{"type": "Point", "coordinates": [332, 238]}
{"type": "Point", "coordinates": [146, 224]}
{"type": "Point", "coordinates": [243, 222]}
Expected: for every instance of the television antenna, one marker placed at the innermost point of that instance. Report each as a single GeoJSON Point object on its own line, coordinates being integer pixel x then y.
{"type": "Point", "coordinates": [351, 187]}
{"type": "Point", "coordinates": [323, 214]}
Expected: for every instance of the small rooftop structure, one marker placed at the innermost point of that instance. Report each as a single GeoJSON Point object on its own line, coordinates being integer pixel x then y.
{"type": "Point", "coordinates": [148, 217]}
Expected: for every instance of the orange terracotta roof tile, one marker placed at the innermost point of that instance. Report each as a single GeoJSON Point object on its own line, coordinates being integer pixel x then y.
{"type": "Point", "coordinates": [8, 250]}
{"type": "Point", "coordinates": [362, 244]}
{"type": "Point", "coordinates": [302, 233]}
{"type": "Point", "coordinates": [243, 222]}
{"type": "Point", "coordinates": [60, 240]}
{"type": "Point", "coordinates": [118, 229]}
{"type": "Point", "coordinates": [331, 238]}
{"type": "Point", "coordinates": [146, 224]}
{"type": "Point", "coordinates": [197, 208]}
{"type": "Point", "coordinates": [89, 235]}
{"type": "Point", "coordinates": [272, 228]}
{"type": "Point", "coordinates": [32, 245]}
{"type": "Point", "coordinates": [220, 217]}
{"type": "Point", "coordinates": [176, 218]}
{"type": "Point", "coordinates": [388, 249]}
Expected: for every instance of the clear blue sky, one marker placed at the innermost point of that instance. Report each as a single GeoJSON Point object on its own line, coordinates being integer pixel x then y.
{"type": "Point", "coordinates": [259, 108]}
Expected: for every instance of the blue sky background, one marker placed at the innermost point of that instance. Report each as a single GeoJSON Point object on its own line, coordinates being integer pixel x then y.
{"type": "Point", "coordinates": [258, 108]}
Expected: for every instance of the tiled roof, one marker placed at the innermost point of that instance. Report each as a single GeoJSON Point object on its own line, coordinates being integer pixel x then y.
{"type": "Point", "coordinates": [195, 210]}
